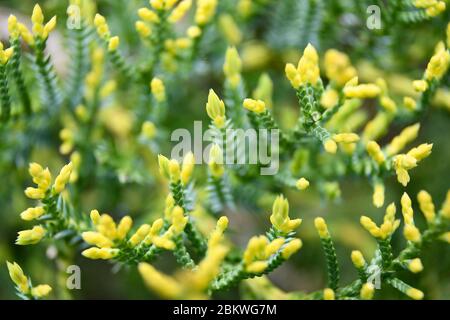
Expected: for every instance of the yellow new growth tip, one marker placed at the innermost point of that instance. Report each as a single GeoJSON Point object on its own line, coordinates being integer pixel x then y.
{"type": "Point", "coordinates": [232, 67]}
{"type": "Point", "coordinates": [330, 146]}
{"type": "Point", "coordinates": [164, 285]}
{"type": "Point", "coordinates": [32, 236]}
{"type": "Point", "coordinates": [415, 265]}
{"type": "Point", "coordinates": [302, 184]}
{"type": "Point", "coordinates": [307, 70]}
{"type": "Point", "coordinates": [143, 29]}
{"type": "Point", "coordinates": [358, 259]}
{"type": "Point", "coordinates": [96, 239]}
{"type": "Point", "coordinates": [63, 178]}
{"type": "Point", "coordinates": [415, 294]}
{"type": "Point", "coordinates": [32, 213]}
{"type": "Point", "coordinates": [445, 211]}
{"type": "Point", "coordinates": [174, 170]}
{"type": "Point", "coordinates": [378, 195]}
{"type": "Point", "coordinates": [328, 294]}
{"type": "Point", "coordinates": [280, 216]}
{"type": "Point", "coordinates": [215, 163]}
{"type": "Point", "coordinates": [370, 226]}
{"type": "Point", "coordinates": [438, 65]}
{"type": "Point", "coordinates": [113, 44]}
{"type": "Point", "coordinates": [215, 108]}
{"type": "Point", "coordinates": [124, 227]}
{"type": "Point", "coordinates": [139, 235]}
{"type": "Point", "coordinates": [206, 9]}
{"type": "Point", "coordinates": [420, 85]}
{"type": "Point", "coordinates": [100, 253]}
{"type": "Point", "coordinates": [411, 233]}
{"type": "Point", "coordinates": [158, 89]}
{"type": "Point", "coordinates": [291, 248]}
{"type": "Point", "coordinates": [148, 15]}
{"type": "Point", "coordinates": [407, 211]}
{"type": "Point", "coordinates": [180, 11]}
{"type": "Point", "coordinates": [362, 91]}
{"type": "Point", "coordinates": [41, 291]}
{"type": "Point", "coordinates": [18, 277]}
{"type": "Point", "coordinates": [187, 168]}
{"type": "Point", "coordinates": [426, 205]}
{"type": "Point", "coordinates": [367, 291]}
{"type": "Point", "coordinates": [5, 55]}
{"type": "Point", "coordinates": [256, 106]}
{"type": "Point", "coordinates": [321, 228]}
{"type": "Point", "coordinates": [375, 152]}
{"type": "Point", "coordinates": [421, 152]}
{"type": "Point", "coordinates": [346, 137]}
{"type": "Point", "coordinates": [406, 136]}
{"type": "Point", "coordinates": [410, 103]}
{"type": "Point", "coordinates": [102, 26]}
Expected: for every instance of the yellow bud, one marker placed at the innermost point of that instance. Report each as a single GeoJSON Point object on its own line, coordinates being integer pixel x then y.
{"type": "Point", "coordinates": [96, 239]}
{"type": "Point", "coordinates": [148, 15]}
{"type": "Point", "coordinates": [362, 91]}
{"type": "Point", "coordinates": [63, 177]}
{"type": "Point", "coordinates": [222, 223]}
{"type": "Point", "coordinates": [180, 11]}
{"type": "Point", "coordinates": [179, 221]}
{"type": "Point", "coordinates": [148, 130]}
{"type": "Point", "coordinates": [445, 211]}
{"type": "Point", "coordinates": [123, 227]}
{"type": "Point", "coordinates": [95, 217]}
{"type": "Point", "coordinates": [367, 291]}
{"type": "Point", "coordinates": [358, 259]}
{"type": "Point", "coordinates": [321, 227]}
{"type": "Point", "coordinates": [256, 106]}
{"type": "Point", "coordinates": [187, 168]}
{"type": "Point", "coordinates": [143, 29]}
{"type": "Point", "coordinates": [415, 294]}
{"type": "Point", "coordinates": [415, 265]}
{"type": "Point", "coordinates": [17, 276]}
{"type": "Point", "coordinates": [113, 43]}
{"type": "Point", "coordinates": [330, 146]}
{"type": "Point", "coordinates": [257, 267]}
{"type": "Point", "coordinates": [420, 85]}
{"type": "Point", "coordinates": [230, 29]}
{"type": "Point", "coordinates": [49, 27]}
{"type": "Point", "coordinates": [370, 226]}
{"type": "Point", "coordinates": [329, 98]}
{"type": "Point", "coordinates": [232, 66]}
{"type": "Point", "coordinates": [426, 205]}
{"type": "Point", "coordinates": [216, 161]}
{"type": "Point", "coordinates": [34, 193]}
{"type": "Point", "coordinates": [139, 235]}
{"type": "Point", "coordinates": [410, 103]}
{"type": "Point", "coordinates": [302, 184]}
{"type": "Point", "coordinates": [174, 170]}
{"type": "Point", "coordinates": [346, 137]}
{"type": "Point", "coordinates": [375, 152]}
{"type": "Point", "coordinates": [293, 75]}
{"type": "Point", "coordinates": [193, 32]}
{"type": "Point", "coordinates": [399, 142]}
{"type": "Point", "coordinates": [291, 248]}
{"type": "Point", "coordinates": [421, 152]}
{"type": "Point", "coordinates": [163, 166]}
{"type": "Point", "coordinates": [411, 233]}
{"type": "Point", "coordinates": [158, 89]}
{"type": "Point", "coordinates": [37, 16]}
{"type": "Point", "coordinates": [41, 291]}
{"type": "Point", "coordinates": [32, 236]}
{"type": "Point", "coordinates": [378, 195]}
{"type": "Point", "coordinates": [32, 213]}
{"type": "Point", "coordinates": [165, 286]}
{"type": "Point", "coordinates": [328, 294]}
{"type": "Point", "coordinates": [215, 107]}
{"type": "Point", "coordinates": [100, 253]}
{"type": "Point", "coordinates": [388, 104]}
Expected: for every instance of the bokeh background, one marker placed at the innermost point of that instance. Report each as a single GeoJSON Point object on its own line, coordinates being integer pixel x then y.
{"type": "Point", "coordinates": [275, 36]}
